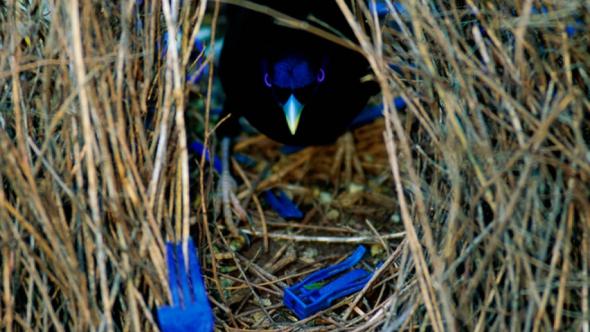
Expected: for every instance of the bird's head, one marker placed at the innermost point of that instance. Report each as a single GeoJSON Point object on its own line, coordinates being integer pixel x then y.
{"type": "Point", "coordinates": [293, 81]}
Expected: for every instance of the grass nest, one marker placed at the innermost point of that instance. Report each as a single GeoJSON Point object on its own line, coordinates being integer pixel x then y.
{"type": "Point", "coordinates": [475, 198]}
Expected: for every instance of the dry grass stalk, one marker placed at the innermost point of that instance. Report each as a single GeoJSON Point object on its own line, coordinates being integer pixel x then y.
{"type": "Point", "coordinates": [487, 170]}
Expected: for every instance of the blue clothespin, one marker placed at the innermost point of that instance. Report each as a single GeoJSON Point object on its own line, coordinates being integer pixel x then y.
{"type": "Point", "coordinates": [190, 309]}
{"type": "Point", "coordinates": [320, 289]}
{"type": "Point", "coordinates": [283, 205]}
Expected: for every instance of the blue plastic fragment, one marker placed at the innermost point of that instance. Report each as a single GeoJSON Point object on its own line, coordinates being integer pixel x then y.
{"type": "Point", "coordinates": [570, 29]}
{"type": "Point", "coordinates": [193, 75]}
{"type": "Point", "coordinates": [283, 205]}
{"type": "Point", "coordinates": [371, 113]}
{"type": "Point", "coordinates": [321, 288]}
{"type": "Point", "coordinates": [190, 309]}
{"type": "Point", "coordinates": [290, 149]}
{"type": "Point", "coordinates": [379, 7]}
{"type": "Point", "coordinates": [543, 10]}
{"type": "Point", "coordinates": [399, 102]}
{"type": "Point", "coordinates": [396, 68]}
{"type": "Point", "coordinates": [382, 8]}
{"type": "Point", "coordinates": [198, 148]}
{"type": "Point", "coordinates": [244, 160]}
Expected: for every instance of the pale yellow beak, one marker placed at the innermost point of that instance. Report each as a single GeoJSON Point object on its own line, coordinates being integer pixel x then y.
{"type": "Point", "coordinates": [292, 109]}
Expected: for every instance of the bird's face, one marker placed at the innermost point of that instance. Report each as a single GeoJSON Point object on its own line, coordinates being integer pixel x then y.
{"type": "Point", "coordinates": [293, 81]}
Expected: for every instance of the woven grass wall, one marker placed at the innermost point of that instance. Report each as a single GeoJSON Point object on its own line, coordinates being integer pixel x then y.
{"type": "Point", "coordinates": [484, 177]}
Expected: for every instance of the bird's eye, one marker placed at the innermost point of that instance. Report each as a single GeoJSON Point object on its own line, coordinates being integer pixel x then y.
{"type": "Point", "coordinates": [321, 76]}
{"type": "Point", "coordinates": [267, 80]}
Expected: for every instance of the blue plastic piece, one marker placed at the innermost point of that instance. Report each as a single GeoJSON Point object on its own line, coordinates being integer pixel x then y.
{"type": "Point", "coordinates": [244, 160]}
{"type": "Point", "coordinates": [396, 68]}
{"type": "Point", "coordinates": [190, 309]}
{"type": "Point", "coordinates": [321, 288]}
{"type": "Point", "coordinates": [399, 103]}
{"type": "Point", "coordinates": [371, 113]}
{"type": "Point", "coordinates": [198, 148]}
{"type": "Point", "coordinates": [382, 9]}
{"type": "Point", "coordinates": [368, 115]}
{"type": "Point", "coordinates": [543, 10]}
{"type": "Point", "coordinates": [193, 76]}
{"type": "Point", "coordinates": [283, 205]}
{"type": "Point", "coordinates": [290, 149]}
{"type": "Point", "coordinates": [570, 29]}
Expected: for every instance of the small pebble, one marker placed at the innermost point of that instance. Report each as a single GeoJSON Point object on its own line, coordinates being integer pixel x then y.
{"type": "Point", "coordinates": [376, 249]}
{"type": "Point", "coordinates": [354, 188]}
{"type": "Point", "coordinates": [309, 255]}
{"type": "Point", "coordinates": [325, 198]}
{"type": "Point", "coordinates": [265, 302]}
{"type": "Point", "coordinates": [333, 215]}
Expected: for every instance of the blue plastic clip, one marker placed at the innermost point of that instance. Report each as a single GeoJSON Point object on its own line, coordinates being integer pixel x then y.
{"type": "Point", "coordinates": [190, 309]}
{"type": "Point", "coordinates": [283, 205]}
{"type": "Point", "coordinates": [321, 288]}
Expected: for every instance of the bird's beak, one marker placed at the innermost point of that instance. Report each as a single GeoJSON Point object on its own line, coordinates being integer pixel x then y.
{"type": "Point", "coordinates": [292, 109]}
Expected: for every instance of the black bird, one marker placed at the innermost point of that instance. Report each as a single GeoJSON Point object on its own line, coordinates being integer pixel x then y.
{"type": "Point", "coordinates": [293, 86]}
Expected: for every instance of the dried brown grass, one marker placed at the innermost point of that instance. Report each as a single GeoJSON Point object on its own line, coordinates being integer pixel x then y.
{"type": "Point", "coordinates": [487, 172]}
